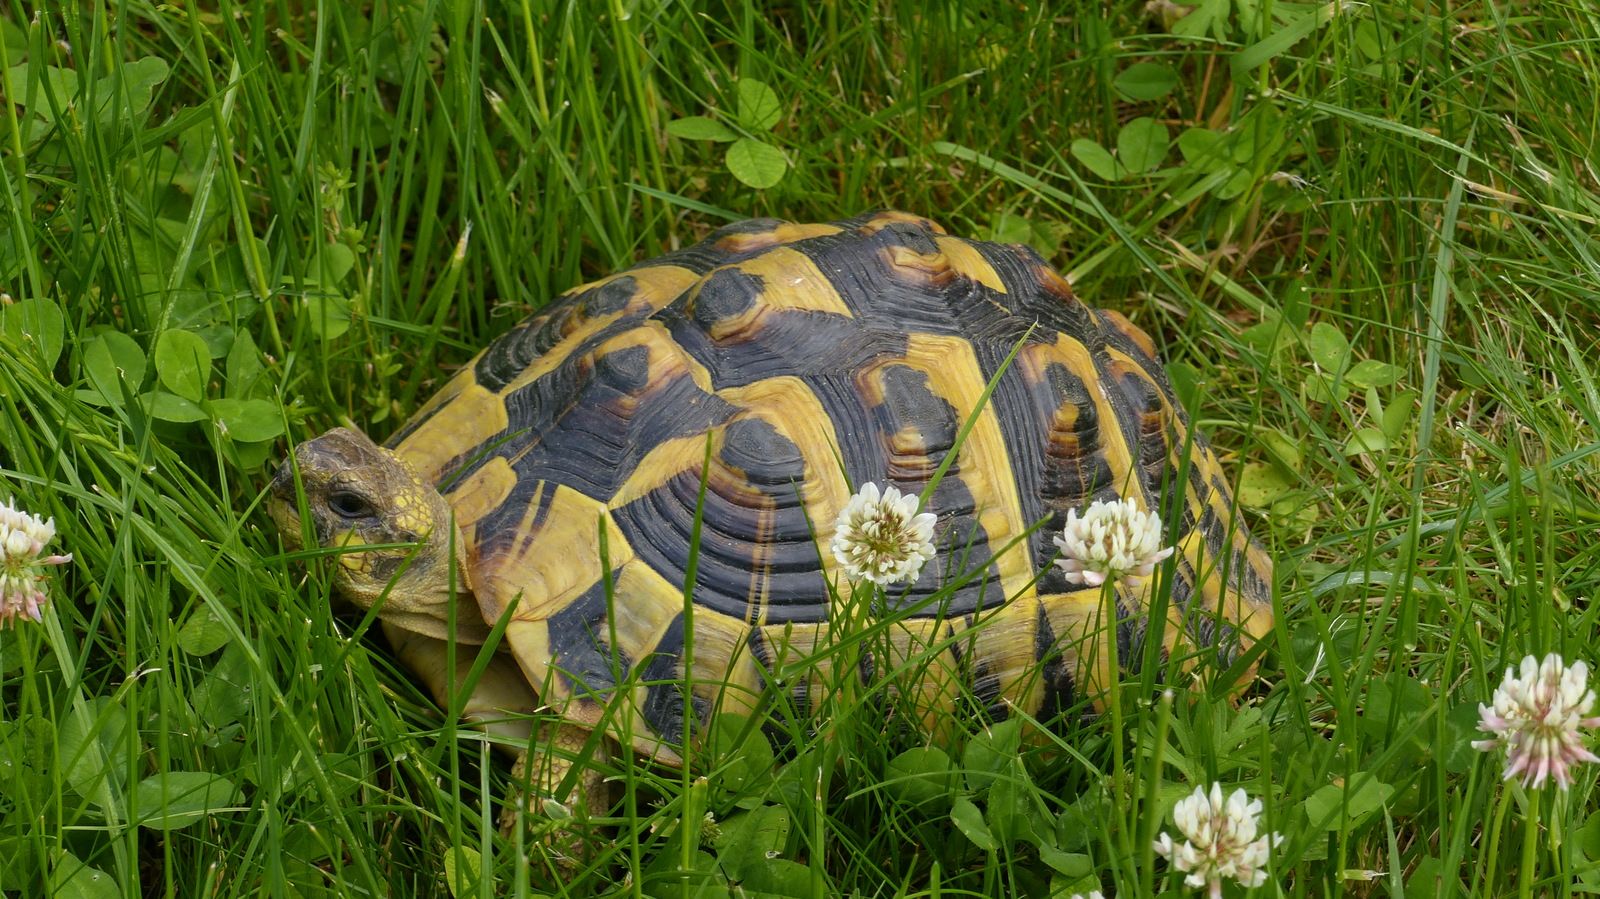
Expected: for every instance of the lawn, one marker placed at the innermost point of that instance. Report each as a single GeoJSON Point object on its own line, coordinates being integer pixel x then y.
{"type": "Point", "coordinates": [1361, 234]}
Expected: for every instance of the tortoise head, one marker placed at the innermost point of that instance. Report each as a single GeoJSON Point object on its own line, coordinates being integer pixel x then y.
{"type": "Point", "coordinates": [359, 494]}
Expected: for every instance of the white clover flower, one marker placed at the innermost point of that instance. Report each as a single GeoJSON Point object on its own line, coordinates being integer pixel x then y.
{"type": "Point", "coordinates": [883, 538]}
{"type": "Point", "coordinates": [1220, 840]}
{"type": "Point", "coordinates": [1112, 541]}
{"type": "Point", "coordinates": [1093, 894]}
{"type": "Point", "coordinates": [1539, 718]}
{"type": "Point", "coordinates": [22, 541]}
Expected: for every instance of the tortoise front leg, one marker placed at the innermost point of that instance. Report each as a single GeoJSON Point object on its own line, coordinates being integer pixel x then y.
{"type": "Point", "coordinates": [501, 704]}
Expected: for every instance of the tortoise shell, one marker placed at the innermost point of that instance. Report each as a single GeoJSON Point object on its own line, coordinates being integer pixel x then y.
{"type": "Point", "coordinates": [804, 359]}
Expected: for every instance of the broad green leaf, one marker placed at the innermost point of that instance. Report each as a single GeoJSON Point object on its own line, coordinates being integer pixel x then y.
{"type": "Point", "coordinates": [36, 328]}
{"type": "Point", "coordinates": [1366, 440]}
{"type": "Point", "coordinates": [463, 870]}
{"type": "Point", "coordinates": [244, 367]}
{"type": "Point", "coordinates": [94, 746]}
{"type": "Point", "coordinates": [1588, 837]}
{"type": "Point", "coordinates": [1008, 227]}
{"type": "Point", "coordinates": [1395, 702]}
{"type": "Point", "coordinates": [1097, 159]}
{"type": "Point", "coordinates": [1078, 822]}
{"type": "Point", "coordinates": [1398, 415]}
{"type": "Point", "coordinates": [114, 364]}
{"type": "Point", "coordinates": [779, 877]}
{"type": "Point", "coordinates": [1207, 15]}
{"type": "Point", "coordinates": [334, 262]}
{"type": "Point", "coordinates": [1281, 40]}
{"type": "Point", "coordinates": [75, 879]}
{"type": "Point", "coordinates": [1372, 373]}
{"type": "Point", "coordinates": [328, 314]}
{"type": "Point", "coordinates": [1280, 447]}
{"type": "Point", "coordinates": [204, 633]}
{"type": "Point", "coordinates": [1428, 879]}
{"type": "Point", "coordinates": [175, 799]}
{"type": "Point", "coordinates": [923, 775]}
{"type": "Point", "coordinates": [1206, 151]}
{"type": "Point", "coordinates": [1070, 864]}
{"type": "Point", "coordinates": [58, 88]}
{"type": "Point", "coordinates": [224, 695]}
{"type": "Point", "coordinates": [759, 108]}
{"type": "Point", "coordinates": [1146, 81]}
{"type": "Point", "coordinates": [1367, 40]}
{"type": "Point", "coordinates": [969, 821]}
{"type": "Point", "coordinates": [699, 127]}
{"type": "Point", "coordinates": [1367, 795]}
{"type": "Point", "coordinates": [139, 81]}
{"type": "Point", "coordinates": [171, 407]}
{"type": "Point", "coordinates": [1187, 382]}
{"type": "Point", "coordinates": [1005, 805]}
{"type": "Point", "coordinates": [1237, 183]}
{"type": "Point", "coordinates": [749, 840]}
{"type": "Point", "coordinates": [1260, 485]}
{"type": "Point", "coordinates": [247, 421]}
{"type": "Point", "coordinates": [757, 164]}
{"type": "Point", "coordinates": [27, 747]}
{"type": "Point", "coordinates": [1328, 346]}
{"type": "Point", "coordinates": [1259, 135]}
{"type": "Point", "coordinates": [989, 752]}
{"type": "Point", "coordinates": [1320, 388]}
{"type": "Point", "coordinates": [16, 40]}
{"type": "Point", "coordinates": [742, 750]}
{"type": "Point", "coordinates": [183, 363]}
{"type": "Point", "coordinates": [1142, 144]}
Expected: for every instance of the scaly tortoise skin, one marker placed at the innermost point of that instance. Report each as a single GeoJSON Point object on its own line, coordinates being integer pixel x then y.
{"type": "Point", "coordinates": [815, 357]}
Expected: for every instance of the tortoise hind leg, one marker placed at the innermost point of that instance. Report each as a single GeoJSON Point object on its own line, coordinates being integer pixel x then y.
{"type": "Point", "coordinates": [542, 775]}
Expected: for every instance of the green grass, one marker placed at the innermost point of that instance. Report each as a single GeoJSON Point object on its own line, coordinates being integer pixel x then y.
{"type": "Point", "coordinates": [341, 201]}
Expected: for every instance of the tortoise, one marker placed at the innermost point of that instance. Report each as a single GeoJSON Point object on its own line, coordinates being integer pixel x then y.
{"type": "Point", "coordinates": [773, 366]}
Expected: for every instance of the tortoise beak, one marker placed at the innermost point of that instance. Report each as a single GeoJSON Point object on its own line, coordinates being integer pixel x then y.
{"type": "Point", "coordinates": [282, 508]}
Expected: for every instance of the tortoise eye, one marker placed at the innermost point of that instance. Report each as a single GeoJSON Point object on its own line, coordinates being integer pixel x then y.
{"type": "Point", "coordinates": [348, 504]}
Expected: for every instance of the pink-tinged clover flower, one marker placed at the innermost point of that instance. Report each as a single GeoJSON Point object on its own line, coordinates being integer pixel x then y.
{"type": "Point", "coordinates": [22, 541]}
{"type": "Point", "coordinates": [1113, 541]}
{"type": "Point", "coordinates": [1539, 716]}
{"type": "Point", "coordinates": [881, 537]}
{"type": "Point", "coordinates": [1219, 840]}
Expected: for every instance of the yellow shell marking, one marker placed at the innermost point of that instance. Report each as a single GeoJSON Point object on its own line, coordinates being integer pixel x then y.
{"type": "Point", "coordinates": [482, 492]}
{"type": "Point", "coordinates": [551, 563]}
{"type": "Point", "coordinates": [1072, 355]}
{"type": "Point", "coordinates": [669, 458]}
{"type": "Point", "coordinates": [953, 374]}
{"type": "Point", "coordinates": [726, 674]}
{"type": "Point", "coordinates": [891, 217]}
{"type": "Point", "coordinates": [792, 408]}
{"type": "Point", "coordinates": [474, 414]}
{"type": "Point", "coordinates": [969, 262]}
{"type": "Point", "coordinates": [658, 285]}
{"type": "Point", "coordinates": [652, 605]}
{"type": "Point", "coordinates": [792, 281]}
{"type": "Point", "coordinates": [788, 232]}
